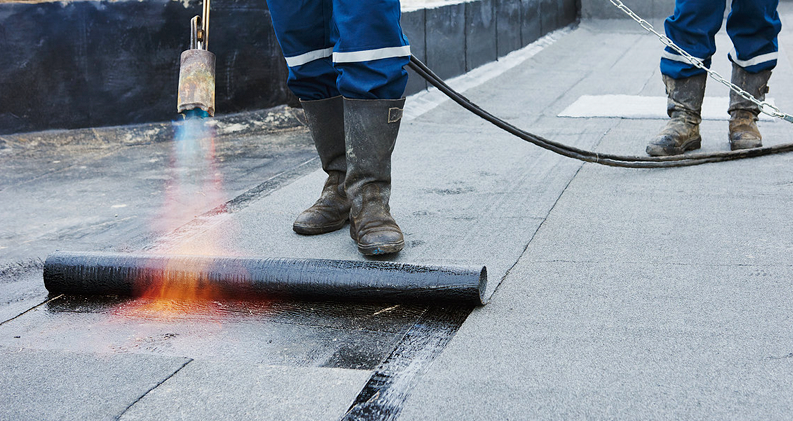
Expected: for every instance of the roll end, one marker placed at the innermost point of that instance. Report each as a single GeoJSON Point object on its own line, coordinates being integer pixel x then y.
{"type": "Point", "coordinates": [484, 297]}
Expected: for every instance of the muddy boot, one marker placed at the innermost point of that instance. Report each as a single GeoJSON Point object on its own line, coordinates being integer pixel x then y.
{"type": "Point", "coordinates": [325, 120]}
{"type": "Point", "coordinates": [744, 133]}
{"type": "Point", "coordinates": [684, 107]}
{"type": "Point", "coordinates": [371, 127]}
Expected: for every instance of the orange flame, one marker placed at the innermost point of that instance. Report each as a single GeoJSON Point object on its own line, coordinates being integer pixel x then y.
{"type": "Point", "coordinates": [195, 186]}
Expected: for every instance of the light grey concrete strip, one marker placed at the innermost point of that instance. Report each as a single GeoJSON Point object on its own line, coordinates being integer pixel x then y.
{"type": "Point", "coordinates": [217, 390]}
{"type": "Point", "coordinates": [51, 385]}
{"type": "Point", "coordinates": [644, 107]}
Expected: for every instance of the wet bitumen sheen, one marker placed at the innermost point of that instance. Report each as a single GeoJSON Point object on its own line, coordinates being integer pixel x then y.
{"type": "Point", "coordinates": [397, 342]}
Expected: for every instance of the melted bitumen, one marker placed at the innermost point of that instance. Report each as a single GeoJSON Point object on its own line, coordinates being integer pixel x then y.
{"type": "Point", "coordinates": [289, 333]}
{"type": "Point", "coordinates": [385, 392]}
{"type": "Point", "coordinates": [397, 341]}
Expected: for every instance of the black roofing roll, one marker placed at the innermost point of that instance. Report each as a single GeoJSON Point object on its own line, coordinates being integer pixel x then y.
{"type": "Point", "coordinates": [246, 277]}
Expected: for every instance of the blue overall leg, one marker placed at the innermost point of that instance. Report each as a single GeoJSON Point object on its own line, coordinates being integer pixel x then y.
{"type": "Point", "coordinates": [371, 51]}
{"type": "Point", "coordinates": [753, 26]}
{"type": "Point", "coordinates": [693, 27]}
{"type": "Point", "coordinates": [306, 34]}
{"type": "Point", "coordinates": [355, 48]}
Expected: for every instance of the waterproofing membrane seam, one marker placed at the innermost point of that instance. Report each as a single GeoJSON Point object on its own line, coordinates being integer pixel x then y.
{"type": "Point", "coordinates": [189, 360]}
{"type": "Point", "coordinates": [31, 309]}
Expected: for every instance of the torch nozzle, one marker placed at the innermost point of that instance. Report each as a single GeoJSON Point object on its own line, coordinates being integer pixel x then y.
{"type": "Point", "coordinates": [197, 69]}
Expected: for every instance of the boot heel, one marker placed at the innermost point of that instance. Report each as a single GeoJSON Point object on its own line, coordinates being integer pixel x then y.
{"type": "Point", "coordinates": [694, 144]}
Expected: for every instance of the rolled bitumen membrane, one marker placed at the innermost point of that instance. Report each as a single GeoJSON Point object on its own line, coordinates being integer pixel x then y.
{"type": "Point", "coordinates": [87, 273]}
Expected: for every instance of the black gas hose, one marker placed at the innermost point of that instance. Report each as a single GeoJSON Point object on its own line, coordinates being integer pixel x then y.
{"type": "Point", "coordinates": [588, 156]}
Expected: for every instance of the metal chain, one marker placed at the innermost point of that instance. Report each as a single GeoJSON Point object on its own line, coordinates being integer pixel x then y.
{"type": "Point", "coordinates": [765, 107]}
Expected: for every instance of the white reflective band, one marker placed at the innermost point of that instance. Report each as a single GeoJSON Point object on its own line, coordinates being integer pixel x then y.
{"type": "Point", "coordinates": [309, 56]}
{"type": "Point", "coordinates": [676, 57]}
{"type": "Point", "coordinates": [752, 61]}
{"type": "Point", "coordinates": [367, 55]}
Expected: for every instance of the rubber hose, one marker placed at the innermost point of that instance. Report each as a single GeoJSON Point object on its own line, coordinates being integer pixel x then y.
{"type": "Point", "coordinates": [589, 156]}
{"type": "Point", "coordinates": [248, 278]}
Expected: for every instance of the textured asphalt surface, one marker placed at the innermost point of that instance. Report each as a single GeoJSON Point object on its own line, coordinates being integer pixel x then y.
{"type": "Point", "coordinates": [618, 293]}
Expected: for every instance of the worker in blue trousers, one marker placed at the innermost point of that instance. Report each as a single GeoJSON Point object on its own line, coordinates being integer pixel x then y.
{"type": "Point", "coordinates": [346, 63]}
{"type": "Point", "coordinates": [753, 26]}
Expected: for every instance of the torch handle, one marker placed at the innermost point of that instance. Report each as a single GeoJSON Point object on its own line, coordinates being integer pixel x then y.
{"type": "Point", "coordinates": [205, 24]}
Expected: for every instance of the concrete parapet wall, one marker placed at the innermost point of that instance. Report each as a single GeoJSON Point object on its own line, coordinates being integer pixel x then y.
{"type": "Point", "coordinates": [453, 38]}
{"type": "Point", "coordinates": [101, 63]}
{"type": "Point", "coordinates": [648, 9]}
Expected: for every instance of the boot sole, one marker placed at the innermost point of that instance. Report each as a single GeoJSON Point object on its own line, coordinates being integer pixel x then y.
{"type": "Point", "coordinates": [380, 249]}
{"type": "Point", "coordinates": [657, 150]}
{"type": "Point", "coordinates": [316, 230]}
{"type": "Point", "coordinates": [737, 146]}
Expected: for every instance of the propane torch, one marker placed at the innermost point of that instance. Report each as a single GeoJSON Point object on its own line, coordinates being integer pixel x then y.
{"type": "Point", "coordinates": [197, 70]}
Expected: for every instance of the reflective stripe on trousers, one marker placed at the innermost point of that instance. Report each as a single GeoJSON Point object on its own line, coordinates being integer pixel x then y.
{"type": "Point", "coordinates": [355, 48]}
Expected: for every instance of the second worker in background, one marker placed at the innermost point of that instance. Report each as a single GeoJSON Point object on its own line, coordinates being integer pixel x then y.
{"type": "Point", "coordinates": [753, 26]}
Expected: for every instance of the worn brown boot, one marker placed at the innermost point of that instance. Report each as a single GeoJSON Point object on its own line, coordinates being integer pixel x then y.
{"type": "Point", "coordinates": [684, 107]}
{"type": "Point", "coordinates": [371, 128]}
{"type": "Point", "coordinates": [744, 133]}
{"type": "Point", "coordinates": [329, 213]}
{"type": "Point", "coordinates": [325, 120]}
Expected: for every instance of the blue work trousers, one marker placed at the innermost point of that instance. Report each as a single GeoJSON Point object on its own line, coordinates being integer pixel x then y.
{"type": "Point", "coordinates": [753, 26]}
{"type": "Point", "coordinates": [355, 48]}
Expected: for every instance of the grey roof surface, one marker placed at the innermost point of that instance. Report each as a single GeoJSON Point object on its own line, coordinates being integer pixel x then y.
{"type": "Point", "coordinates": [621, 293]}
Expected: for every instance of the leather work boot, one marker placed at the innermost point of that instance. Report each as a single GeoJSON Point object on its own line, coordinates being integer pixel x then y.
{"type": "Point", "coordinates": [371, 127]}
{"type": "Point", "coordinates": [744, 133]}
{"type": "Point", "coordinates": [684, 107]}
{"type": "Point", "coordinates": [325, 120]}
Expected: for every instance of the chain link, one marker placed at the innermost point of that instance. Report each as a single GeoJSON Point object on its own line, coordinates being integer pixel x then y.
{"type": "Point", "coordinates": [765, 107]}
